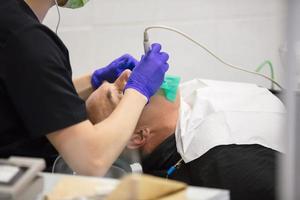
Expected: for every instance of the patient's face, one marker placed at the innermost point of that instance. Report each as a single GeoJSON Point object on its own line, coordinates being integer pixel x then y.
{"type": "Point", "coordinates": [105, 99]}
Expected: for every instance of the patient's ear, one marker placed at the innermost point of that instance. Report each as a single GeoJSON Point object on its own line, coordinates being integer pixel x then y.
{"type": "Point", "coordinates": [139, 138]}
{"type": "Point", "coordinates": [122, 79]}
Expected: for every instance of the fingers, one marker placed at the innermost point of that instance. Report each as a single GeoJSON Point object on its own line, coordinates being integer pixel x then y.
{"type": "Point", "coordinates": [124, 57]}
{"type": "Point", "coordinates": [164, 57]}
{"type": "Point", "coordinates": [127, 62]}
{"type": "Point", "coordinates": [122, 79]}
{"type": "Point", "coordinates": [120, 60]}
{"type": "Point", "coordinates": [127, 73]}
{"type": "Point", "coordinates": [132, 63]}
{"type": "Point", "coordinates": [155, 48]}
{"type": "Point", "coordinates": [165, 67]}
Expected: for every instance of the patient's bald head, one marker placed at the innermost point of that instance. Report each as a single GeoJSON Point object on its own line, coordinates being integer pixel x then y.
{"type": "Point", "coordinates": [157, 122]}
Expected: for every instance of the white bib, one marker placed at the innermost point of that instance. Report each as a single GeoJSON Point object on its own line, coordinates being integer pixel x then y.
{"type": "Point", "coordinates": [216, 113]}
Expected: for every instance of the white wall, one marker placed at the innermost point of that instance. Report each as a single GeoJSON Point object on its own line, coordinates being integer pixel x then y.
{"type": "Point", "coordinates": [243, 32]}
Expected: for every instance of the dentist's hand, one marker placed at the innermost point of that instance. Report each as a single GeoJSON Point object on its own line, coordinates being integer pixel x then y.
{"type": "Point", "coordinates": [148, 75]}
{"type": "Point", "coordinates": [112, 71]}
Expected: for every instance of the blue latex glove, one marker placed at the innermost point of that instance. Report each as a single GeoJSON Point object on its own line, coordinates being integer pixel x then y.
{"type": "Point", "coordinates": [112, 71]}
{"type": "Point", "coordinates": [148, 75]}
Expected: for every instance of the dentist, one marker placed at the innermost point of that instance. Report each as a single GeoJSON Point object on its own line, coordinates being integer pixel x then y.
{"type": "Point", "coordinates": [41, 113]}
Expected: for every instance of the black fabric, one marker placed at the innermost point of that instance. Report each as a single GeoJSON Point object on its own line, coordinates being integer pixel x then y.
{"type": "Point", "coordinates": [37, 95]}
{"type": "Point", "coordinates": [248, 171]}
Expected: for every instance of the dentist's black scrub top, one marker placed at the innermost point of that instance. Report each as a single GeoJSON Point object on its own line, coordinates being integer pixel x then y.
{"type": "Point", "coordinates": [37, 95]}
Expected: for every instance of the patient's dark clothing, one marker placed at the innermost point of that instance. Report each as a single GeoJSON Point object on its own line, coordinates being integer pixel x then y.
{"type": "Point", "coordinates": [248, 171]}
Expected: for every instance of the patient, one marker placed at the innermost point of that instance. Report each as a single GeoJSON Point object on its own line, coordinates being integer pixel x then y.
{"type": "Point", "coordinates": [248, 171]}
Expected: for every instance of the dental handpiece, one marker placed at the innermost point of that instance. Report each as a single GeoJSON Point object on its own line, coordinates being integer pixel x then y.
{"type": "Point", "coordinates": [146, 42]}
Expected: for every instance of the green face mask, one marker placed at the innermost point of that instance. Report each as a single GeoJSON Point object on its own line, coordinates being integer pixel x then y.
{"type": "Point", "coordinates": [75, 3]}
{"type": "Point", "coordinates": [170, 87]}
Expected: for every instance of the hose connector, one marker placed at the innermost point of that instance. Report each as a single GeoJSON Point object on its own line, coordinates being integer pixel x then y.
{"type": "Point", "coordinates": [146, 42]}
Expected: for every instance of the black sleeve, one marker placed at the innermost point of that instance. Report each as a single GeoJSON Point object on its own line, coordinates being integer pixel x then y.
{"type": "Point", "coordinates": [39, 82]}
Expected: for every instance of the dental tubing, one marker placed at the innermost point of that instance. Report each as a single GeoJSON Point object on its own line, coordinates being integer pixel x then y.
{"type": "Point", "coordinates": [147, 48]}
